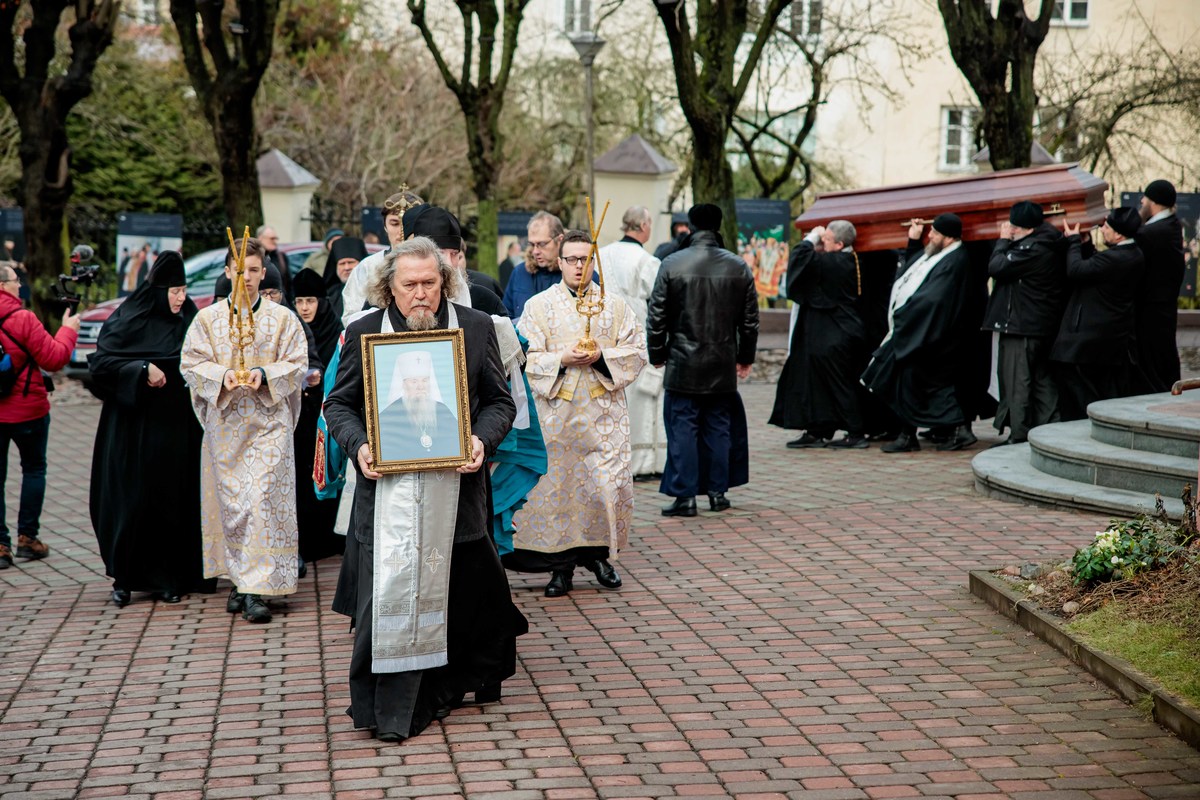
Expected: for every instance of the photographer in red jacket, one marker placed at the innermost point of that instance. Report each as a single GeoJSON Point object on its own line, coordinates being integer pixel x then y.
{"type": "Point", "coordinates": [25, 408]}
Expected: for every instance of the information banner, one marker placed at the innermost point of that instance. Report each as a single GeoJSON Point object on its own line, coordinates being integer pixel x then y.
{"type": "Point", "coordinates": [140, 238]}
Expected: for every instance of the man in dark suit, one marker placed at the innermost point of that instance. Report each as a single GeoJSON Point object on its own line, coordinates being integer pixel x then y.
{"type": "Point", "coordinates": [1094, 351]}
{"type": "Point", "coordinates": [1156, 310]}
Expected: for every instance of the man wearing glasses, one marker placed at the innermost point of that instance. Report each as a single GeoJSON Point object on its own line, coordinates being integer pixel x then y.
{"type": "Point", "coordinates": [541, 264]}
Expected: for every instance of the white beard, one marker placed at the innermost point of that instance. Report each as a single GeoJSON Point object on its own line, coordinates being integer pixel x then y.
{"type": "Point", "coordinates": [423, 412]}
{"type": "Point", "coordinates": [421, 319]}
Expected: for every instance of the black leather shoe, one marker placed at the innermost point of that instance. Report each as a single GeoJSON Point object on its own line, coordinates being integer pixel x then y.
{"type": "Point", "coordinates": [303, 571]}
{"type": "Point", "coordinates": [235, 602]}
{"type": "Point", "coordinates": [559, 585]}
{"type": "Point", "coordinates": [390, 736]}
{"type": "Point", "coordinates": [883, 436]}
{"type": "Point", "coordinates": [488, 694]}
{"type": "Point", "coordinates": [849, 442]}
{"type": "Point", "coordinates": [717, 501]}
{"type": "Point", "coordinates": [121, 597]}
{"type": "Point", "coordinates": [605, 574]}
{"type": "Point", "coordinates": [938, 435]}
{"type": "Point", "coordinates": [905, 443]}
{"type": "Point", "coordinates": [806, 441]}
{"type": "Point", "coordinates": [255, 609]}
{"type": "Point", "coordinates": [682, 507]}
{"type": "Point", "coordinates": [442, 712]}
{"type": "Point", "coordinates": [962, 439]}
{"type": "Point", "coordinates": [168, 597]}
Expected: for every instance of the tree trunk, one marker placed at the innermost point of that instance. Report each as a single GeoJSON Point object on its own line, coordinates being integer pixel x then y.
{"type": "Point", "coordinates": [45, 191]}
{"type": "Point", "coordinates": [235, 136]}
{"type": "Point", "coordinates": [486, 231]}
{"type": "Point", "coordinates": [712, 180]}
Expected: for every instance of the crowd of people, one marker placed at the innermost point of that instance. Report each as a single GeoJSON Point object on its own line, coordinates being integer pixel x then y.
{"type": "Point", "coordinates": [1068, 324]}
{"type": "Point", "coordinates": [269, 434]}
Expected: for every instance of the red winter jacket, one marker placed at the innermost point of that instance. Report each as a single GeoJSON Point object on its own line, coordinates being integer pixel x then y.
{"type": "Point", "coordinates": [50, 352]}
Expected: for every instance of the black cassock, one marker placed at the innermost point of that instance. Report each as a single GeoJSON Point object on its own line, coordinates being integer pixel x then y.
{"type": "Point", "coordinates": [1157, 305]}
{"type": "Point", "coordinates": [145, 486]}
{"type": "Point", "coordinates": [818, 388]}
{"type": "Point", "coordinates": [917, 371]}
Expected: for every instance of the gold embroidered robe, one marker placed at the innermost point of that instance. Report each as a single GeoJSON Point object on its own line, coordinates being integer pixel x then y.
{"type": "Point", "coordinates": [586, 497]}
{"type": "Point", "coordinates": [248, 478]}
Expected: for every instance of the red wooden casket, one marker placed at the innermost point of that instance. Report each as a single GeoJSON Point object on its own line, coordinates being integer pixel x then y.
{"type": "Point", "coordinates": [882, 215]}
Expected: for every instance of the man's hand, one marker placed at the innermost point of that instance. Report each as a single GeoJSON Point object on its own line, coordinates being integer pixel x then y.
{"type": "Point", "coordinates": [817, 231]}
{"type": "Point", "coordinates": [70, 320]}
{"type": "Point", "coordinates": [577, 358]}
{"type": "Point", "coordinates": [155, 377]}
{"type": "Point", "coordinates": [256, 379]}
{"type": "Point", "coordinates": [314, 377]}
{"type": "Point", "coordinates": [365, 461]}
{"type": "Point", "coordinates": [1006, 230]}
{"type": "Point", "coordinates": [915, 229]}
{"type": "Point", "coordinates": [476, 453]}
{"type": "Point", "coordinates": [743, 371]}
{"type": "Point", "coordinates": [230, 380]}
{"type": "Point", "coordinates": [1068, 231]}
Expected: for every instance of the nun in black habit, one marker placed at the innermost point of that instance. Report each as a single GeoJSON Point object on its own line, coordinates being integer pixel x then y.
{"type": "Point", "coordinates": [341, 252]}
{"type": "Point", "coordinates": [145, 487]}
{"type": "Point", "coordinates": [314, 517]}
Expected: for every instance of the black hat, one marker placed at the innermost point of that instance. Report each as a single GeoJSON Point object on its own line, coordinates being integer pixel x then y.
{"type": "Point", "coordinates": [705, 217]}
{"type": "Point", "coordinates": [167, 270]}
{"type": "Point", "coordinates": [308, 283]}
{"type": "Point", "coordinates": [271, 277]}
{"type": "Point", "coordinates": [409, 220]}
{"type": "Point", "coordinates": [1124, 221]}
{"type": "Point", "coordinates": [948, 225]}
{"type": "Point", "coordinates": [1161, 192]}
{"type": "Point", "coordinates": [1026, 214]}
{"type": "Point", "coordinates": [438, 224]}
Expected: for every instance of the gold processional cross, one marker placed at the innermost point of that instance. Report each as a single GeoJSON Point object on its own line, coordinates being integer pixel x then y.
{"type": "Point", "coordinates": [585, 302]}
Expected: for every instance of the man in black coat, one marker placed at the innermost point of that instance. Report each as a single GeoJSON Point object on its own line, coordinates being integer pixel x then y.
{"type": "Point", "coordinates": [1094, 352]}
{"type": "Point", "coordinates": [916, 369]}
{"type": "Point", "coordinates": [412, 291]}
{"type": "Point", "coordinates": [1161, 241]}
{"type": "Point", "coordinates": [702, 323]}
{"type": "Point", "coordinates": [1028, 267]}
{"type": "Point", "coordinates": [818, 388]}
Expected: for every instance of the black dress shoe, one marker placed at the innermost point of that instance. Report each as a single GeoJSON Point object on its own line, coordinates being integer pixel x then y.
{"type": "Point", "coordinates": [559, 585]}
{"type": "Point", "coordinates": [962, 439]}
{"type": "Point", "coordinates": [442, 712]}
{"type": "Point", "coordinates": [235, 602]}
{"type": "Point", "coordinates": [885, 436]}
{"type": "Point", "coordinates": [121, 597]}
{"type": "Point", "coordinates": [849, 442]}
{"type": "Point", "coordinates": [682, 507]}
{"type": "Point", "coordinates": [938, 435]}
{"type": "Point", "coordinates": [168, 597]}
{"type": "Point", "coordinates": [488, 694]}
{"type": "Point", "coordinates": [391, 736]}
{"type": "Point", "coordinates": [806, 441]}
{"type": "Point", "coordinates": [717, 501]}
{"type": "Point", "coordinates": [605, 574]}
{"type": "Point", "coordinates": [905, 443]}
{"type": "Point", "coordinates": [255, 609]}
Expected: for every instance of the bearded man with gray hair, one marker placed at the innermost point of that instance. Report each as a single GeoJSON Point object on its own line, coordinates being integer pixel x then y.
{"type": "Point", "coordinates": [433, 615]}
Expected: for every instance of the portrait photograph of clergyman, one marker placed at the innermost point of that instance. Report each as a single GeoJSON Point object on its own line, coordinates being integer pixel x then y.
{"type": "Point", "coordinates": [417, 397]}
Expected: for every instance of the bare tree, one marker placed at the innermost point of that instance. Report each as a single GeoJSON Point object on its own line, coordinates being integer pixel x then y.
{"type": "Point", "coordinates": [712, 75]}
{"type": "Point", "coordinates": [238, 47]}
{"type": "Point", "coordinates": [480, 84]}
{"type": "Point", "coordinates": [41, 96]}
{"type": "Point", "coordinates": [997, 55]}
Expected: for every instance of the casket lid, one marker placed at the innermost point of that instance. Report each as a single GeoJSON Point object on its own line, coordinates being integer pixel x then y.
{"type": "Point", "coordinates": [881, 215]}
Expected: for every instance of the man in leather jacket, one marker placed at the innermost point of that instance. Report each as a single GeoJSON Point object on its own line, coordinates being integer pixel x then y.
{"type": "Point", "coordinates": [1028, 266]}
{"type": "Point", "coordinates": [702, 323]}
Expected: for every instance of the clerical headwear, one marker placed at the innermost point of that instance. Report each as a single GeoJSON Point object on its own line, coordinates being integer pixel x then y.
{"type": "Point", "coordinates": [1161, 192]}
{"type": "Point", "coordinates": [1124, 221]}
{"type": "Point", "coordinates": [1026, 214]}
{"type": "Point", "coordinates": [413, 364]}
{"type": "Point", "coordinates": [167, 270]}
{"type": "Point", "coordinates": [948, 225]}
{"type": "Point", "coordinates": [705, 217]}
{"type": "Point", "coordinates": [438, 224]}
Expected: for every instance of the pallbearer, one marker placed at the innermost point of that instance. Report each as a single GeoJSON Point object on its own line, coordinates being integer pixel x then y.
{"type": "Point", "coordinates": [248, 483]}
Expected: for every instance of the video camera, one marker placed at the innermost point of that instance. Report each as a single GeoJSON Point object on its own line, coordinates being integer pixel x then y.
{"type": "Point", "coordinates": [83, 273]}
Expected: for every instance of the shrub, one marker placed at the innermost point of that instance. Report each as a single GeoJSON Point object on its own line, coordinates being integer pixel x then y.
{"type": "Point", "coordinates": [1126, 548]}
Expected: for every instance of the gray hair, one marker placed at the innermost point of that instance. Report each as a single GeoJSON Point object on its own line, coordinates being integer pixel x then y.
{"type": "Point", "coordinates": [260, 230]}
{"type": "Point", "coordinates": [556, 226]}
{"type": "Point", "coordinates": [843, 231]}
{"type": "Point", "coordinates": [7, 267]}
{"type": "Point", "coordinates": [635, 217]}
{"type": "Point", "coordinates": [379, 292]}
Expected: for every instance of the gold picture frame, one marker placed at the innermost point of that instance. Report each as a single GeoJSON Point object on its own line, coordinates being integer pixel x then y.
{"type": "Point", "coordinates": [416, 422]}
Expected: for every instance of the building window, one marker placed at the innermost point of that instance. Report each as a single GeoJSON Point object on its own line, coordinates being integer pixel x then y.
{"type": "Point", "coordinates": [958, 137]}
{"type": "Point", "coordinates": [142, 12]}
{"type": "Point", "coordinates": [577, 16]}
{"type": "Point", "coordinates": [806, 18]}
{"type": "Point", "coordinates": [1070, 12]}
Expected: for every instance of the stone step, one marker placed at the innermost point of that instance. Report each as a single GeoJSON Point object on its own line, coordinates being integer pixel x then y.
{"type": "Point", "coordinates": [1157, 423]}
{"type": "Point", "coordinates": [1007, 473]}
{"type": "Point", "coordinates": [1067, 450]}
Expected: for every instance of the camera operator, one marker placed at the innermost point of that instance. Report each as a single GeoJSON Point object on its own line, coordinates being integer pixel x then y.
{"type": "Point", "coordinates": [25, 408]}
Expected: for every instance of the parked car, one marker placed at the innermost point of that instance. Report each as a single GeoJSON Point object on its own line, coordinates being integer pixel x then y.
{"type": "Point", "coordinates": [202, 271]}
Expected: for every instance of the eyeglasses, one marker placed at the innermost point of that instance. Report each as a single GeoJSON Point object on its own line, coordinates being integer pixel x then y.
{"type": "Point", "coordinates": [542, 245]}
{"type": "Point", "coordinates": [575, 261]}
{"type": "Point", "coordinates": [270, 294]}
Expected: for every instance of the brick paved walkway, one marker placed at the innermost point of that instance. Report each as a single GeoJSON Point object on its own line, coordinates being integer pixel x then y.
{"type": "Point", "coordinates": [817, 642]}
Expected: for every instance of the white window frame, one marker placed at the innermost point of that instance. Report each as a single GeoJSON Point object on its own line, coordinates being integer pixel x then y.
{"type": "Point", "coordinates": [801, 16]}
{"type": "Point", "coordinates": [577, 16]}
{"type": "Point", "coordinates": [966, 143]}
{"type": "Point", "coordinates": [1064, 13]}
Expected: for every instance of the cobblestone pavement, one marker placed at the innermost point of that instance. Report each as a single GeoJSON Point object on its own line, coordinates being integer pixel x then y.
{"type": "Point", "coordinates": [815, 642]}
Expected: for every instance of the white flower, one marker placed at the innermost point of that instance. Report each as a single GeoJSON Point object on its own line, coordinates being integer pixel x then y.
{"type": "Point", "coordinates": [1116, 560]}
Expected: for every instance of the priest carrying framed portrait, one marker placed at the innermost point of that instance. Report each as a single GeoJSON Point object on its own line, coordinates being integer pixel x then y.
{"type": "Point", "coordinates": [417, 412]}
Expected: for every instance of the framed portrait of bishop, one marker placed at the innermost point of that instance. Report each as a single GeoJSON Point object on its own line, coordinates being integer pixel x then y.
{"type": "Point", "coordinates": [417, 412]}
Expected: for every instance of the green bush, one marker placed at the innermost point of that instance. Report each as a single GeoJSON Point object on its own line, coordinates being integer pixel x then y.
{"type": "Point", "coordinates": [1124, 549]}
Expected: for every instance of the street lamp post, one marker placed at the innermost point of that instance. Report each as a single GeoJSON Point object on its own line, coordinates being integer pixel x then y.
{"type": "Point", "coordinates": [588, 44]}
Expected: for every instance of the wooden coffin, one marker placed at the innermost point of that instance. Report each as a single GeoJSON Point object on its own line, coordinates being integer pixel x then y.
{"type": "Point", "coordinates": [882, 215]}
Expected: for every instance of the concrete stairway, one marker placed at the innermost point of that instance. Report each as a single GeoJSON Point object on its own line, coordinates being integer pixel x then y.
{"type": "Point", "coordinates": [1113, 462]}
